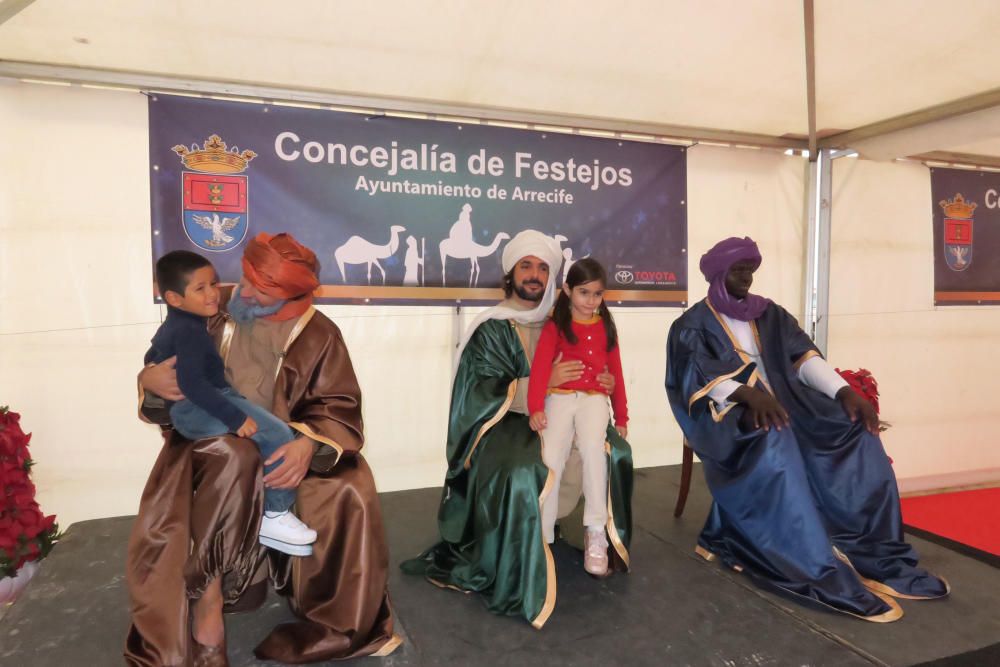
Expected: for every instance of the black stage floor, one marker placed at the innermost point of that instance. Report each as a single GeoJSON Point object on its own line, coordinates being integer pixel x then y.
{"type": "Point", "coordinates": [673, 609]}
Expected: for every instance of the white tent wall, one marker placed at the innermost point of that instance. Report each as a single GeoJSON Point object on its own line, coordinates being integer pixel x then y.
{"type": "Point", "coordinates": [75, 306]}
{"type": "Point", "coordinates": [76, 313]}
{"type": "Point", "coordinates": [936, 367]}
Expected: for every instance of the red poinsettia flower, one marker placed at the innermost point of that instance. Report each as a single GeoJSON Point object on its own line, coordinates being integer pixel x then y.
{"type": "Point", "coordinates": [863, 382]}
{"type": "Point", "coordinates": [25, 533]}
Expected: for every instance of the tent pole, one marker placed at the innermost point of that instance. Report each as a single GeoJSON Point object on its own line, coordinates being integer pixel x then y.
{"type": "Point", "coordinates": [817, 292]}
{"type": "Point", "coordinates": [810, 39]}
{"type": "Point", "coordinates": [817, 287]}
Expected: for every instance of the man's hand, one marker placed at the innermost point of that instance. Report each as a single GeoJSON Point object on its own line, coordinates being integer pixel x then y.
{"type": "Point", "coordinates": [249, 428]}
{"type": "Point", "coordinates": [622, 431]}
{"type": "Point", "coordinates": [763, 410]}
{"type": "Point", "coordinates": [565, 371]}
{"type": "Point", "coordinates": [161, 379]}
{"type": "Point", "coordinates": [607, 381]}
{"type": "Point", "coordinates": [296, 454]}
{"type": "Point", "coordinates": [857, 407]}
{"type": "Point", "coordinates": [537, 421]}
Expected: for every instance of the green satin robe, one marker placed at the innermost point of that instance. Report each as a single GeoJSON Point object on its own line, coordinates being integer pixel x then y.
{"type": "Point", "coordinates": [490, 514]}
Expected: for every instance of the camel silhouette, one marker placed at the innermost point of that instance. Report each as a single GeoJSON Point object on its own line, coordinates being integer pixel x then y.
{"type": "Point", "coordinates": [470, 250]}
{"type": "Point", "coordinates": [361, 251]}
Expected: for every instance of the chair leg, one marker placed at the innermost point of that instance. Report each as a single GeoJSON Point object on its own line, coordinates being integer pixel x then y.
{"type": "Point", "coordinates": [687, 461]}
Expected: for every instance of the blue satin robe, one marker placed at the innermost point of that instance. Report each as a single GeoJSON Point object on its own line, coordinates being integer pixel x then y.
{"type": "Point", "coordinates": [782, 500]}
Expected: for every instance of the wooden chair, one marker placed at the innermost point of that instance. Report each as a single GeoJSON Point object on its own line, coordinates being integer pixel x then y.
{"type": "Point", "coordinates": [687, 462]}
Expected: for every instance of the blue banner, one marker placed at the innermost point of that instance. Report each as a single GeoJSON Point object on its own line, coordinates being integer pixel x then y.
{"type": "Point", "coordinates": [966, 216]}
{"type": "Point", "coordinates": [401, 210]}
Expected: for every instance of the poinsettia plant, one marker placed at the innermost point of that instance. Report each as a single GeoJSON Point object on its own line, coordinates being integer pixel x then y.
{"type": "Point", "coordinates": [863, 382]}
{"type": "Point", "coordinates": [25, 533]}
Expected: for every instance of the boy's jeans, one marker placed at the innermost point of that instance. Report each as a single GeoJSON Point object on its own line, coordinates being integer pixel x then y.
{"type": "Point", "coordinates": [194, 423]}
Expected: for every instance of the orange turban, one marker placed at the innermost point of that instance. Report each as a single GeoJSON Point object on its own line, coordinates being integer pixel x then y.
{"type": "Point", "coordinates": [281, 267]}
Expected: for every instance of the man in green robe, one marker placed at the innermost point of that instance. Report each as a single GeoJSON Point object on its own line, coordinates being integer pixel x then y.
{"type": "Point", "coordinates": [490, 514]}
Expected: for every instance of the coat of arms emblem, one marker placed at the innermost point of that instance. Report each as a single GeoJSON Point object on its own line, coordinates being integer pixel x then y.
{"type": "Point", "coordinates": [216, 217]}
{"type": "Point", "coordinates": [957, 232]}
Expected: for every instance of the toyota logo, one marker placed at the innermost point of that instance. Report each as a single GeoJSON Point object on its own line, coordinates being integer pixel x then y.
{"type": "Point", "coordinates": [624, 277]}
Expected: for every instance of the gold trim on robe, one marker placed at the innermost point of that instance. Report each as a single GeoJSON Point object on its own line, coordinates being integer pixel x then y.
{"type": "Point", "coordinates": [228, 331]}
{"type": "Point", "coordinates": [711, 385]}
{"type": "Point", "coordinates": [524, 343]}
{"type": "Point", "coordinates": [716, 415]}
{"type": "Point", "coordinates": [806, 357]}
{"type": "Point", "coordinates": [612, 530]}
{"type": "Point", "coordinates": [729, 332]}
{"type": "Point", "coordinates": [755, 376]}
{"type": "Point", "coordinates": [389, 646]}
{"type": "Point", "coordinates": [292, 335]}
{"type": "Point", "coordinates": [760, 350]}
{"type": "Point", "coordinates": [511, 390]}
{"type": "Point", "coordinates": [299, 426]}
{"type": "Point", "coordinates": [308, 432]}
{"type": "Point", "coordinates": [550, 564]}
{"type": "Point", "coordinates": [440, 584]}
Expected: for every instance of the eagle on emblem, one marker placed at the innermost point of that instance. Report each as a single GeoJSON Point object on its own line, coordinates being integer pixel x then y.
{"type": "Point", "coordinates": [218, 226]}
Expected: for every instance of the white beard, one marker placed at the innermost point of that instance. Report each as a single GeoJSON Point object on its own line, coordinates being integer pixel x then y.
{"type": "Point", "coordinates": [245, 312]}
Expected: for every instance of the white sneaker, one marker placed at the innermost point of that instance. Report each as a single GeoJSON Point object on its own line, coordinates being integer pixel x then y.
{"type": "Point", "coordinates": [284, 532]}
{"type": "Point", "coordinates": [595, 552]}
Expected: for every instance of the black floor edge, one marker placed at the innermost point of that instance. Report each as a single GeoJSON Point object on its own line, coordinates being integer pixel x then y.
{"type": "Point", "coordinates": [964, 549]}
{"type": "Point", "coordinates": [988, 655]}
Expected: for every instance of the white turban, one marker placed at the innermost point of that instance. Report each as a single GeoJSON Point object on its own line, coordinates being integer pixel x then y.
{"type": "Point", "coordinates": [529, 243]}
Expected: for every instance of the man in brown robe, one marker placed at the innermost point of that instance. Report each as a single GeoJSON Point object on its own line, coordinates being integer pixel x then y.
{"type": "Point", "coordinates": [194, 543]}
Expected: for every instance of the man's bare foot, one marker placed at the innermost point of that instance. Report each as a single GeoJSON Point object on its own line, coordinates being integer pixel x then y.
{"type": "Point", "coordinates": [207, 625]}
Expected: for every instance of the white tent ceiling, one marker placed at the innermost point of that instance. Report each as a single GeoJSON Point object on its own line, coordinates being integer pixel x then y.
{"type": "Point", "coordinates": [736, 65]}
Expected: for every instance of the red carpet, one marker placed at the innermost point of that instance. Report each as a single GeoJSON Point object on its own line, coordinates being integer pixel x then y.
{"type": "Point", "coordinates": [969, 517]}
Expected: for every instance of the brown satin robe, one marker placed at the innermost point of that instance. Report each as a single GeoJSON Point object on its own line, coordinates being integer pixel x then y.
{"type": "Point", "coordinates": [201, 509]}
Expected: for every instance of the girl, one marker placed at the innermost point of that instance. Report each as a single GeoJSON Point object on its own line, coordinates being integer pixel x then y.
{"type": "Point", "coordinates": [582, 329]}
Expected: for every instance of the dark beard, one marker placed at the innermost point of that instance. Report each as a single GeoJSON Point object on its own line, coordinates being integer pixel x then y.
{"type": "Point", "coordinates": [528, 296]}
{"type": "Point", "coordinates": [244, 312]}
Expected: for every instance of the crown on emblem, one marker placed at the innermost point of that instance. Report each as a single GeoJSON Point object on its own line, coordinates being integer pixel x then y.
{"type": "Point", "coordinates": [958, 207]}
{"type": "Point", "coordinates": [213, 157]}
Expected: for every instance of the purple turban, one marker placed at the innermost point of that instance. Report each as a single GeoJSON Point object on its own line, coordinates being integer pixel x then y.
{"type": "Point", "coordinates": [715, 265]}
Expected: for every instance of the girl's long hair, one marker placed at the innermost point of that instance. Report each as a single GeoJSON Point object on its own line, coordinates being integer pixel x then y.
{"type": "Point", "coordinates": [583, 271]}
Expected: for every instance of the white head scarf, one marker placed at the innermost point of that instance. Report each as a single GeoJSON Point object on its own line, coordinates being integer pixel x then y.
{"type": "Point", "coordinates": [525, 244]}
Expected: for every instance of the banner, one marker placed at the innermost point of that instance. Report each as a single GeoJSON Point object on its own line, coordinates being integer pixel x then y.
{"type": "Point", "coordinates": [966, 237]}
{"type": "Point", "coordinates": [402, 211]}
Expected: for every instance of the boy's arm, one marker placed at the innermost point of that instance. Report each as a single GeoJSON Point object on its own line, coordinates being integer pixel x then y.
{"type": "Point", "coordinates": [191, 379]}
{"type": "Point", "coordinates": [541, 367]}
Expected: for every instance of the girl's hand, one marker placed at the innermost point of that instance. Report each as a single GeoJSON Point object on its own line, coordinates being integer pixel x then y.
{"type": "Point", "coordinates": [622, 431]}
{"type": "Point", "coordinates": [537, 421]}
{"type": "Point", "coordinates": [249, 428]}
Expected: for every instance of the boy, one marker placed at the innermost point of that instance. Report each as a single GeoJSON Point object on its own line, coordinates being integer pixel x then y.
{"type": "Point", "coordinates": [188, 283]}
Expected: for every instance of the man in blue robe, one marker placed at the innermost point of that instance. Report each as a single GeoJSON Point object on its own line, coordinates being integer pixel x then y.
{"type": "Point", "coordinates": [804, 496]}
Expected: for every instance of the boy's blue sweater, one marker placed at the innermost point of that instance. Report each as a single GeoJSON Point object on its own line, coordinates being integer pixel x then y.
{"type": "Point", "coordinates": [201, 374]}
